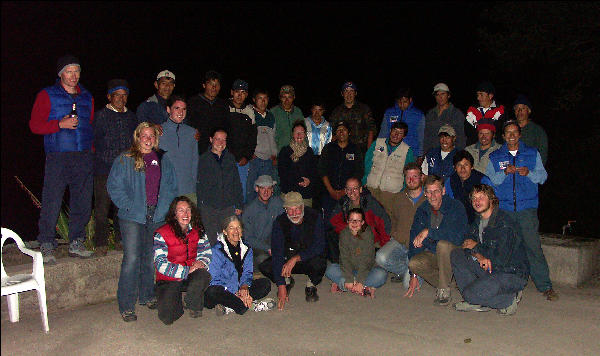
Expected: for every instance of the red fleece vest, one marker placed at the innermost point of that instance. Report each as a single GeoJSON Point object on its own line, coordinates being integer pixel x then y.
{"type": "Point", "coordinates": [178, 251]}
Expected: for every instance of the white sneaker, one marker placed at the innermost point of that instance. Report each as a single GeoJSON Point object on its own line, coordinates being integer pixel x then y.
{"type": "Point", "coordinates": [264, 305]}
{"type": "Point", "coordinates": [221, 310]}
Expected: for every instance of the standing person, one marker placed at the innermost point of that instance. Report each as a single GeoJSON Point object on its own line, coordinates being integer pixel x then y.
{"type": "Point", "coordinates": [357, 271]}
{"type": "Point", "coordinates": [443, 113]}
{"type": "Point", "coordinates": [491, 268]}
{"type": "Point", "coordinates": [142, 184]}
{"type": "Point", "coordinates": [438, 160]}
{"type": "Point", "coordinates": [515, 171]}
{"type": "Point", "coordinates": [487, 109]}
{"type": "Point", "coordinates": [113, 129]}
{"type": "Point", "coordinates": [297, 165]}
{"type": "Point", "coordinates": [64, 113]}
{"type": "Point", "coordinates": [207, 110]}
{"type": "Point", "coordinates": [405, 111]}
{"type": "Point", "coordinates": [286, 113]}
{"type": "Point", "coordinates": [318, 129]}
{"type": "Point", "coordinates": [242, 130]}
{"type": "Point", "coordinates": [460, 183]}
{"type": "Point", "coordinates": [232, 288]}
{"type": "Point", "coordinates": [264, 159]}
{"type": "Point", "coordinates": [182, 255]}
{"type": "Point", "coordinates": [357, 116]}
{"type": "Point", "coordinates": [180, 145]}
{"type": "Point", "coordinates": [219, 189]}
{"type": "Point", "coordinates": [485, 145]}
{"type": "Point", "coordinates": [532, 134]}
{"type": "Point", "coordinates": [154, 109]}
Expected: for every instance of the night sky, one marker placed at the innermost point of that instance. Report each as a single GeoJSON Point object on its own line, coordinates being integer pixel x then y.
{"type": "Point", "coordinates": [379, 46]}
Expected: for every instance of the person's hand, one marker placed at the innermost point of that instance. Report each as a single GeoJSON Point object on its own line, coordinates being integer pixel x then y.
{"type": "Point", "coordinates": [197, 135]}
{"type": "Point", "coordinates": [349, 286]}
{"type": "Point", "coordinates": [159, 128]}
{"type": "Point", "coordinates": [420, 160]}
{"type": "Point", "coordinates": [510, 169]}
{"type": "Point", "coordinates": [358, 288]}
{"type": "Point", "coordinates": [244, 295]}
{"type": "Point", "coordinates": [338, 194]}
{"type": "Point", "coordinates": [286, 271]}
{"type": "Point", "coordinates": [305, 182]}
{"type": "Point", "coordinates": [484, 262]}
{"type": "Point", "coordinates": [413, 286]}
{"type": "Point", "coordinates": [68, 122]}
{"type": "Point", "coordinates": [238, 212]}
{"type": "Point", "coordinates": [523, 171]}
{"type": "Point", "coordinates": [274, 160]}
{"type": "Point", "coordinates": [372, 292]}
{"type": "Point", "coordinates": [418, 241]}
{"type": "Point", "coordinates": [269, 252]}
{"type": "Point", "coordinates": [469, 243]}
{"type": "Point", "coordinates": [199, 264]}
{"type": "Point", "coordinates": [282, 296]}
{"type": "Point", "coordinates": [243, 161]}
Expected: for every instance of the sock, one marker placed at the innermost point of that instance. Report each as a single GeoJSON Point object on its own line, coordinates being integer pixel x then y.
{"type": "Point", "coordinates": [309, 284]}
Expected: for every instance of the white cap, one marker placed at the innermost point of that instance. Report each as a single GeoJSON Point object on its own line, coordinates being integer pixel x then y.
{"type": "Point", "coordinates": [440, 87]}
{"type": "Point", "coordinates": [165, 73]}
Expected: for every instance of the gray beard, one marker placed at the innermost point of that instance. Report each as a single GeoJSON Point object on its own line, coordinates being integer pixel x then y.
{"type": "Point", "coordinates": [300, 221]}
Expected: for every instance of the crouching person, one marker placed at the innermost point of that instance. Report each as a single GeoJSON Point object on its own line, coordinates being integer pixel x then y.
{"type": "Point", "coordinates": [232, 288]}
{"type": "Point", "coordinates": [181, 255]}
{"type": "Point", "coordinates": [357, 271]}
{"type": "Point", "coordinates": [491, 269]}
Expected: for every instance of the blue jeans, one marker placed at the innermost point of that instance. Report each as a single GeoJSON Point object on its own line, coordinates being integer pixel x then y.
{"type": "Point", "coordinates": [375, 279]}
{"type": "Point", "coordinates": [538, 267]}
{"type": "Point", "coordinates": [477, 286]}
{"type": "Point", "coordinates": [136, 281]}
{"type": "Point", "coordinates": [258, 167]}
{"type": "Point", "coordinates": [243, 172]}
{"type": "Point", "coordinates": [393, 257]}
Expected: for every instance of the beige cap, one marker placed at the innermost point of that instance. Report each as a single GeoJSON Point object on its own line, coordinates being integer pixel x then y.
{"type": "Point", "coordinates": [441, 87]}
{"type": "Point", "coordinates": [447, 129]}
{"type": "Point", "coordinates": [292, 199]}
{"type": "Point", "coordinates": [165, 73]}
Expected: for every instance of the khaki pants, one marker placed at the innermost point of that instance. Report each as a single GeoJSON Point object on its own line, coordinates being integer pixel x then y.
{"type": "Point", "coordinates": [434, 268]}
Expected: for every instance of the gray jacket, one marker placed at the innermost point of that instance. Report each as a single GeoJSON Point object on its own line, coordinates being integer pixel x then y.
{"type": "Point", "coordinates": [258, 219]}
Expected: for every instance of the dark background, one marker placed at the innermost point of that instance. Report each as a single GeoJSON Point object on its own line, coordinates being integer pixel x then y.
{"type": "Point", "coordinates": [548, 51]}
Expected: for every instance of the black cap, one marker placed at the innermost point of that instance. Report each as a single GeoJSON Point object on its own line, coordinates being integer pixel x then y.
{"type": "Point", "coordinates": [64, 61]}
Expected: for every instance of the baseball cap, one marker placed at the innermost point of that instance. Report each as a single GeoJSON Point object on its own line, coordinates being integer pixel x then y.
{"type": "Point", "coordinates": [292, 199]}
{"type": "Point", "coordinates": [349, 85]}
{"type": "Point", "coordinates": [265, 181]}
{"type": "Point", "coordinates": [441, 87]}
{"type": "Point", "coordinates": [339, 124]}
{"type": "Point", "coordinates": [447, 129]}
{"type": "Point", "coordinates": [165, 73]}
{"type": "Point", "coordinates": [239, 84]}
{"type": "Point", "coordinates": [287, 89]}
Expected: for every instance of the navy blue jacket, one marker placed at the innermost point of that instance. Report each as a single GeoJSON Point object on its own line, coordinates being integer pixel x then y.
{"type": "Point", "coordinates": [459, 190]}
{"type": "Point", "coordinates": [438, 166]}
{"type": "Point", "coordinates": [113, 133]}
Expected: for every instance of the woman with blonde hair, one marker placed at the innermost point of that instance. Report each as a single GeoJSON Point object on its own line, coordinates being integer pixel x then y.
{"type": "Point", "coordinates": [142, 185]}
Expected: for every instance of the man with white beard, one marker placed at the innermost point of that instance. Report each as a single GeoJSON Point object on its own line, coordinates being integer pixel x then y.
{"type": "Point", "coordinates": [297, 247]}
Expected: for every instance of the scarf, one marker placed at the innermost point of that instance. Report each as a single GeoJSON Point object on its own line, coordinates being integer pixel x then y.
{"type": "Point", "coordinates": [299, 150]}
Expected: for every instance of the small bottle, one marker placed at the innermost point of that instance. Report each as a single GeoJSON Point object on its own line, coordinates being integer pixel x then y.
{"type": "Point", "coordinates": [74, 110]}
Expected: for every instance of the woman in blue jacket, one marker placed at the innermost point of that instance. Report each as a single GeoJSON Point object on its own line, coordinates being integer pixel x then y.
{"type": "Point", "coordinates": [142, 184]}
{"type": "Point", "coordinates": [232, 288]}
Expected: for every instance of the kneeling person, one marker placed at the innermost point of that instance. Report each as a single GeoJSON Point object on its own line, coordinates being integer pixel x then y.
{"type": "Point", "coordinates": [491, 269]}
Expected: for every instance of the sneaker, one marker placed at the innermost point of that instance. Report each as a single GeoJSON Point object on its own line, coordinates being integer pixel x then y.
{"type": "Point", "coordinates": [221, 310]}
{"type": "Point", "coordinates": [397, 278]}
{"type": "Point", "coordinates": [48, 254]}
{"type": "Point", "coordinates": [128, 316]}
{"type": "Point", "coordinates": [442, 297]}
{"type": "Point", "coordinates": [77, 249]}
{"type": "Point", "coordinates": [467, 307]}
{"type": "Point", "coordinates": [195, 313]}
{"type": "Point", "coordinates": [290, 285]}
{"type": "Point", "coordinates": [509, 310]}
{"type": "Point", "coordinates": [311, 294]}
{"type": "Point", "coordinates": [519, 296]}
{"type": "Point", "coordinates": [151, 304]}
{"type": "Point", "coordinates": [264, 305]}
{"type": "Point", "coordinates": [550, 294]}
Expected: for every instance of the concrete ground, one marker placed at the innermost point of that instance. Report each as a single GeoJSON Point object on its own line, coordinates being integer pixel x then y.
{"type": "Point", "coordinates": [336, 325]}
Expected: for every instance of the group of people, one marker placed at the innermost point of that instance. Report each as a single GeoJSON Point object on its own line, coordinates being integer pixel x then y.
{"type": "Point", "coordinates": [209, 191]}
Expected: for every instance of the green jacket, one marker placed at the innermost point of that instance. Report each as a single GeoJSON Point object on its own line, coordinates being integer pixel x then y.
{"type": "Point", "coordinates": [534, 136]}
{"type": "Point", "coordinates": [283, 124]}
{"type": "Point", "coordinates": [356, 254]}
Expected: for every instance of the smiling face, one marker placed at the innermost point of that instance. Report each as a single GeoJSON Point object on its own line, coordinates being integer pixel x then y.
{"type": "Point", "coordinates": [512, 134]}
{"type": "Point", "coordinates": [118, 99]}
{"type": "Point", "coordinates": [485, 137]}
{"type": "Point", "coordinates": [218, 142]}
{"type": "Point", "coordinates": [69, 78]}
{"type": "Point", "coordinates": [396, 136]}
{"type": "Point", "coordinates": [147, 140]}
{"type": "Point", "coordinates": [447, 142]}
{"type": "Point", "coordinates": [164, 87]}
{"type": "Point", "coordinates": [295, 213]}
{"type": "Point", "coordinates": [355, 223]}
{"type": "Point", "coordinates": [434, 193]}
{"type": "Point", "coordinates": [233, 232]}
{"type": "Point", "coordinates": [342, 134]}
{"type": "Point", "coordinates": [183, 214]}
{"type": "Point", "coordinates": [299, 134]}
{"type": "Point", "coordinates": [177, 111]}
{"type": "Point", "coordinates": [353, 190]}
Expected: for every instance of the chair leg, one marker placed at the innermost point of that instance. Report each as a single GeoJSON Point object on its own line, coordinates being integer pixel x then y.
{"type": "Point", "coordinates": [13, 307]}
{"type": "Point", "coordinates": [43, 309]}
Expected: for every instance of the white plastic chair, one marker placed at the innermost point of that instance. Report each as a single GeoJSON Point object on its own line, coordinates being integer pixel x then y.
{"type": "Point", "coordinates": [13, 285]}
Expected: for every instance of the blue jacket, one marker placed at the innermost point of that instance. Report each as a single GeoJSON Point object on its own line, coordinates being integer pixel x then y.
{"type": "Point", "coordinates": [516, 192]}
{"type": "Point", "coordinates": [438, 166]}
{"type": "Point", "coordinates": [222, 269]}
{"type": "Point", "coordinates": [127, 189]}
{"type": "Point", "coordinates": [452, 228]}
{"type": "Point", "coordinates": [61, 103]}
{"type": "Point", "coordinates": [415, 120]}
{"type": "Point", "coordinates": [152, 110]}
{"type": "Point", "coordinates": [181, 147]}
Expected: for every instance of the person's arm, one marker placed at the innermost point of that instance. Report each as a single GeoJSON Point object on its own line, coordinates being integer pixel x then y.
{"type": "Point", "coordinates": [453, 225]}
{"type": "Point", "coordinates": [448, 188]}
{"type": "Point", "coordinates": [217, 266]}
{"type": "Point", "coordinates": [384, 130]}
{"type": "Point", "coordinates": [543, 146]}
{"type": "Point", "coordinates": [117, 184]}
{"type": "Point", "coordinates": [38, 123]}
{"type": "Point", "coordinates": [236, 186]}
{"type": "Point", "coordinates": [495, 177]}
{"type": "Point", "coordinates": [368, 162]}
{"type": "Point", "coordinates": [318, 241]}
{"type": "Point", "coordinates": [418, 225]}
{"type": "Point", "coordinates": [250, 144]}
{"type": "Point", "coordinates": [204, 252]}
{"type": "Point", "coordinates": [247, 269]}
{"type": "Point", "coordinates": [337, 220]}
{"type": "Point", "coordinates": [365, 260]}
{"type": "Point", "coordinates": [458, 119]}
{"type": "Point", "coordinates": [163, 265]}
{"type": "Point", "coordinates": [539, 174]}
{"type": "Point", "coordinates": [420, 135]}
{"type": "Point", "coordinates": [277, 252]}
{"type": "Point", "coordinates": [346, 259]}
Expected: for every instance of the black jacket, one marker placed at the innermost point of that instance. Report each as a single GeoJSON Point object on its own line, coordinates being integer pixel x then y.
{"type": "Point", "coordinates": [218, 182]}
{"type": "Point", "coordinates": [291, 173]}
{"type": "Point", "coordinates": [241, 138]}
{"type": "Point", "coordinates": [205, 116]}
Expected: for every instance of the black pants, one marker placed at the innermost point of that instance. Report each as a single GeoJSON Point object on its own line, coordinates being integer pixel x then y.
{"type": "Point", "coordinates": [313, 268]}
{"type": "Point", "coordinates": [218, 295]}
{"type": "Point", "coordinates": [168, 293]}
{"type": "Point", "coordinates": [102, 209]}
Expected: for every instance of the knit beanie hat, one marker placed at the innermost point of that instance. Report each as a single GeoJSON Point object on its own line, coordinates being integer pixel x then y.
{"type": "Point", "coordinates": [522, 99]}
{"type": "Point", "coordinates": [65, 61]}
{"type": "Point", "coordinates": [485, 123]}
{"type": "Point", "coordinates": [116, 84]}
{"type": "Point", "coordinates": [486, 87]}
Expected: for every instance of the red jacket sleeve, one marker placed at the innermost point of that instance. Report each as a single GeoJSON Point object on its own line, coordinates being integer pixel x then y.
{"type": "Point", "coordinates": [378, 226]}
{"type": "Point", "coordinates": [338, 222]}
{"type": "Point", "coordinates": [39, 123]}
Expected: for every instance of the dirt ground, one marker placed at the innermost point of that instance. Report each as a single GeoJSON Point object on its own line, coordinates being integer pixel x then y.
{"type": "Point", "coordinates": [335, 325]}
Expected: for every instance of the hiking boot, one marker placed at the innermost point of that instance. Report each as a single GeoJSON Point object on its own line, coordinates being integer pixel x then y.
{"type": "Point", "coordinates": [48, 254]}
{"type": "Point", "coordinates": [311, 294]}
{"type": "Point", "coordinates": [509, 310]}
{"type": "Point", "coordinates": [551, 295]}
{"type": "Point", "coordinates": [289, 286]}
{"type": "Point", "coordinates": [195, 313]}
{"type": "Point", "coordinates": [151, 304]}
{"type": "Point", "coordinates": [221, 310]}
{"type": "Point", "coordinates": [442, 297]}
{"type": "Point", "coordinates": [128, 316]}
{"type": "Point", "coordinates": [467, 307]}
{"type": "Point", "coordinates": [77, 249]}
{"type": "Point", "coordinates": [264, 305]}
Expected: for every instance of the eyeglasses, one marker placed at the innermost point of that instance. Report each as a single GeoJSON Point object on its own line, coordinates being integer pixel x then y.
{"type": "Point", "coordinates": [355, 221]}
{"type": "Point", "coordinates": [433, 192]}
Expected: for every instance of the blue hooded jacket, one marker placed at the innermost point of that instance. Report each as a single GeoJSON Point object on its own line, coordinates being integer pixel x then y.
{"type": "Point", "coordinates": [415, 120]}
{"type": "Point", "coordinates": [222, 269]}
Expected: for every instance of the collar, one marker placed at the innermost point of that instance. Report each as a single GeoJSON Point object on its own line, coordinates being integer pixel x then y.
{"type": "Point", "coordinates": [112, 108]}
{"type": "Point", "coordinates": [225, 248]}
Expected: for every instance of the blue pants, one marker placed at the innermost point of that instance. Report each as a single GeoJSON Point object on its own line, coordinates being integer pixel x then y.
{"type": "Point", "coordinates": [478, 286]}
{"type": "Point", "coordinates": [375, 279]}
{"type": "Point", "coordinates": [62, 169]}
{"type": "Point", "coordinates": [243, 172]}
{"type": "Point", "coordinates": [538, 267]}
{"type": "Point", "coordinates": [258, 167]}
{"type": "Point", "coordinates": [393, 257]}
{"type": "Point", "coordinates": [136, 281]}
